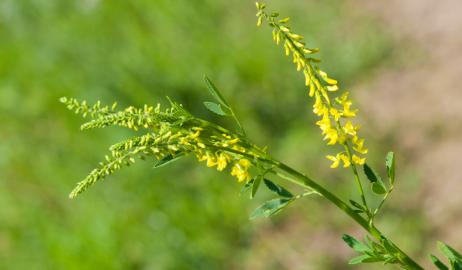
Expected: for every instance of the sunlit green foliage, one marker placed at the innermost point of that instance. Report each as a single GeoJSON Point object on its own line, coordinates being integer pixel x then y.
{"type": "Point", "coordinates": [137, 53]}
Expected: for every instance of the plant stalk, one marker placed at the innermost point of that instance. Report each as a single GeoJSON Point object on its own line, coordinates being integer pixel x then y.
{"type": "Point", "coordinates": [305, 181]}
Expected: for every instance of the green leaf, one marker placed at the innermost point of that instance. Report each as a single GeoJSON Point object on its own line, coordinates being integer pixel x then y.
{"type": "Point", "coordinates": [371, 174]}
{"type": "Point", "coordinates": [217, 108]}
{"type": "Point", "coordinates": [247, 186]}
{"type": "Point", "coordinates": [438, 263]}
{"type": "Point", "coordinates": [270, 208]}
{"type": "Point", "coordinates": [278, 189]}
{"type": "Point", "coordinates": [359, 259]}
{"type": "Point", "coordinates": [358, 205]}
{"type": "Point", "coordinates": [388, 246]}
{"type": "Point", "coordinates": [166, 160]}
{"type": "Point", "coordinates": [364, 259]}
{"type": "Point", "coordinates": [379, 188]}
{"type": "Point", "coordinates": [255, 186]}
{"type": "Point", "coordinates": [390, 163]}
{"type": "Point", "coordinates": [453, 256]}
{"type": "Point", "coordinates": [214, 91]}
{"type": "Point", "coordinates": [355, 244]}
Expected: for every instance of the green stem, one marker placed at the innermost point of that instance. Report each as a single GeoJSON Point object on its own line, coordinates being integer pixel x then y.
{"type": "Point", "coordinates": [382, 202]}
{"type": "Point", "coordinates": [305, 181]}
{"type": "Point", "coordinates": [356, 175]}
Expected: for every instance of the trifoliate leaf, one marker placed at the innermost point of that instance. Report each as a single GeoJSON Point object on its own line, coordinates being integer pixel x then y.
{"type": "Point", "coordinates": [217, 108]}
{"type": "Point", "coordinates": [390, 163]}
{"type": "Point", "coordinates": [270, 208]}
{"type": "Point", "coordinates": [278, 189]}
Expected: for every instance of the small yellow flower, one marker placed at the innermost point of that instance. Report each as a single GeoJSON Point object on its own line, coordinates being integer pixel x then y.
{"type": "Point", "coordinates": [358, 160]}
{"type": "Point", "coordinates": [324, 124]}
{"type": "Point", "coordinates": [335, 113]}
{"type": "Point", "coordinates": [350, 129]}
{"type": "Point", "coordinates": [332, 136]}
{"type": "Point", "coordinates": [201, 156]}
{"type": "Point", "coordinates": [346, 160]}
{"type": "Point", "coordinates": [222, 161]}
{"type": "Point", "coordinates": [335, 161]}
{"type": "Point", "coordinates": [359, 146]}
{"type": "Point", "coordinates": [240, 170]}
{"type": "Point", "coordinates": [319, 108]}
{"type": "Point", "coordinates": [211, 160]}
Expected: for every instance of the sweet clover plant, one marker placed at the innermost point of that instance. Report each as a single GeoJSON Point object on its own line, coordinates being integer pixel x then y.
{"type": "Point", "coordinates": [173, 133]}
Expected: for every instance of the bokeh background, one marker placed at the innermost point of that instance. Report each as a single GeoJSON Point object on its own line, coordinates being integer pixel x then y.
{"type": "Point", "coordinates": [400, 59]}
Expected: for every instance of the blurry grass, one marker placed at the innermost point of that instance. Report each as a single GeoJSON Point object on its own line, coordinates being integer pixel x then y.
{"type": "Point", "coordinates": [179, 217]}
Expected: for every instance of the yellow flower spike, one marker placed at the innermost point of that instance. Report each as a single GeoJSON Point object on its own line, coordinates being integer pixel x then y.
{"type": "Point", "coordinates": [335, 161]}
{"type": "Point", "coordinates": [346, 160]}
{"type": "Point", "coordinates": [358, 160]}
{"type": "Point", "coordinates": [320, 87]}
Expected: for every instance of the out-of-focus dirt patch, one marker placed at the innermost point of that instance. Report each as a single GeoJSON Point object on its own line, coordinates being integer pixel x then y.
{"type": "Point", "coordinates": [420, 101]}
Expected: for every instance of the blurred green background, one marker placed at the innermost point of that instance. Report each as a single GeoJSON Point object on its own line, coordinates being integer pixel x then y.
{"type": "Point", "coordinates": [183, 216]}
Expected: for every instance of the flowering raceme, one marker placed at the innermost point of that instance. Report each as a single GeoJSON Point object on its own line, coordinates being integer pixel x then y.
{"type": "Point", "coordinates": [334, 112]}
{"type": "Point", "coordinates": [172, 133]}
